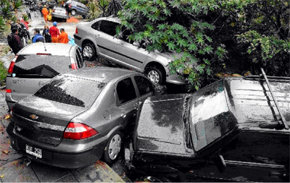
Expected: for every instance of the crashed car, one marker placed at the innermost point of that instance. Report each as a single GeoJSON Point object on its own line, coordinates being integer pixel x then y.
{"type": "Point", "coordinates": [79, 117]}
{"type": "Point", "coordinates": [59, 12]}
{"type": "Point", "coordinates": [230, 130]}
{"type": "Point", "coordinates": [35, 65]}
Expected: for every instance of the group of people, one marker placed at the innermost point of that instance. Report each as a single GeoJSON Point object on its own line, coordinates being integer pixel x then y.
{"type": "Point", "coordinates": [52, 34]}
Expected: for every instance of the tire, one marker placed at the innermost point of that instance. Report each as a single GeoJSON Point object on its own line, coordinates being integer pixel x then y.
{"type": "Point", "coordinates": [155, 75]}
{"type": "Point", "coordinates": [89, 51]}
{"type": "Point", "coordinates": [73, 12]}
{"type": "Point", "coordinates": [113, 147]}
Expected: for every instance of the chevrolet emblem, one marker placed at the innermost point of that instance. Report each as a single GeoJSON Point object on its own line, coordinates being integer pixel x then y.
{"type": "Point", "coordinates": [33, 116]}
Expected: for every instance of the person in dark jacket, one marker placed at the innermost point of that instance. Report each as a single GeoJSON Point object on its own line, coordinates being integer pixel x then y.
{"type": "Point", "coordinates": [37, 36]}
{"type": "Point", "coordinates": [14, 41]}
{"type": "Point", "coordinates": [46, 34]}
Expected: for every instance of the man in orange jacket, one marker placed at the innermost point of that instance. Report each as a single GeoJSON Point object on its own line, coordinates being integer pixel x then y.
{"type": "Point", "coordinates": [63, 37]}
{"type": "Point", "coordinates": [44, 12]}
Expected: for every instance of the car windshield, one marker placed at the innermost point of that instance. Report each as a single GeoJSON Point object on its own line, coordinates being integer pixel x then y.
{"type": "Point", "coordinates": [46, 66]}
{"type": "Point", "coordinates": [71, 90]}
{"type": "Point", "coordinates": [210, 117]}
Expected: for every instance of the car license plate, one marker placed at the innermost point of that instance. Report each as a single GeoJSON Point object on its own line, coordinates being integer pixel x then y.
{"type": "Point", "coordinates": [37, 152]}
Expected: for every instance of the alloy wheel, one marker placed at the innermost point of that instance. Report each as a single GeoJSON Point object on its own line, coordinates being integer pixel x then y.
{"type": "Point", "coordinates": [154, 76]}
{"type": "Point", "coordinates": [114, 146]}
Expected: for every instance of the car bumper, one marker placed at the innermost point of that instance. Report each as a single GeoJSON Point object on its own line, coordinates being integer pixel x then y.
{"type": "Point", "coordinates": [59, 16]}
{"type": "Point", "coordinates": [10, 102]}
{"type": "Point", "coordinates": [53, 156]}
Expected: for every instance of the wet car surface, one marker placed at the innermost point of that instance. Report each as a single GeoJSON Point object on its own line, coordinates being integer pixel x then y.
{"type": "Point", "coordinates": [79, 117]}
{"type": "Point", "coordinates": [36, 64]}
{"type": "Point", "coordinates": [228, 131]}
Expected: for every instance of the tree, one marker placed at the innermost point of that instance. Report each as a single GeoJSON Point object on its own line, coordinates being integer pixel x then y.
{"type": "Point", "coordinates": [207, 33]}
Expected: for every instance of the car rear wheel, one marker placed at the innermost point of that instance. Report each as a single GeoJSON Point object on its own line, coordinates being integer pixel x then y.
{"type": "Point", "coordinates": [155, 75]}
{"type": "Point", "coordinates": [113, 147]}
{"type": "Point", "coordinates": [89, 51]}
{"type": "Point", "coordinates": [73, 12]}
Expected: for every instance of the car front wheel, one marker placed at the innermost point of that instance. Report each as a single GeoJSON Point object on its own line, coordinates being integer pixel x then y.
{"type": "Point", "coordinates": [89, 51]}
{"type": "Point", "coordinates": [73, 12]}
{"type": "Point", "coordinates": [155, 75]}
{"type": "Point", "coordinates": [113, 147]}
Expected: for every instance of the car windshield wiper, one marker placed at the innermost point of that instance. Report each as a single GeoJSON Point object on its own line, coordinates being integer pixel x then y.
{"type": "Point", "coordinates": [188, 136]}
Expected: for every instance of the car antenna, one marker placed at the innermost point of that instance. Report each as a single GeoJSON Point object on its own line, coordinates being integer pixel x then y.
{"type": "Point", "coordinates": [274, 99]}
{"type": "Point", "coordinates": [44, 46]}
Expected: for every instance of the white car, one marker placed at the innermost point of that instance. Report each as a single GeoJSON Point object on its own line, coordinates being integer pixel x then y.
{"type": "Point", "coordinates": [97, 38]}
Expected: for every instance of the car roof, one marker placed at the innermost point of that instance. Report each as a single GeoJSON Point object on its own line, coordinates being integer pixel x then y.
{"type": "Point", "coordinates": [110, 18]}
{"type": "Point", "coordinates": [102, 74]}
{"type": "Point", "coordinates": [58, 49]}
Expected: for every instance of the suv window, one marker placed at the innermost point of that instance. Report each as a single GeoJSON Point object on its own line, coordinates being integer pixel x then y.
{"type": "Point", "coordinates": [126, 91]}
{"type": "Point", "coordinates": [46, 66]}
{"type": "Point", "coordinates": [79, 57]}
{"type": "Point", "coordinates": [108, 27]}
{"type": "Point", "coordinates": [144, 86]}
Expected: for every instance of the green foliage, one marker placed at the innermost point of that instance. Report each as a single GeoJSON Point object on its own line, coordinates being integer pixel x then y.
{"type": "Point", "coordinates": [3, 74]}
{"type": "Point", "coordinates": [179, 27]}
{"type": "Point", "coordinates": [94, 10]}
{"type": "Point", "coordinates": [2, 24]}
{"type": "Point", "coordinates": [210, 34]}
{"type": "Point", "coordinates": [17, 4]}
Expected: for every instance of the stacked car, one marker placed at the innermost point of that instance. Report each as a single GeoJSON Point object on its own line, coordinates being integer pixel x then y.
{"type": "Point", "coordinates": [64, 115]}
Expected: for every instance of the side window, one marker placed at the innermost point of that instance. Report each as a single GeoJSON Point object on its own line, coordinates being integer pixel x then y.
{"type": "Point", "coordinates": [79, 57]}
{"type": "Point", "coordinates": [96, 25]}
{"type": "Point", "coordinates": [126, 91]}
{"type": "Point", "coordinates": [144, 86]}
{"type": "Point", "coordinates": [108, 27]}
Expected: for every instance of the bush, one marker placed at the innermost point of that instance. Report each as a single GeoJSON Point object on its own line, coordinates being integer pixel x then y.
{"type": "Point", "coordinates": [3, 74]}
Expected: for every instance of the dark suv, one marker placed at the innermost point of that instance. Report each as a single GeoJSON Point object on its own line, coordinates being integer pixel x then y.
{"type": "Point", "coordinates": [76, 8]}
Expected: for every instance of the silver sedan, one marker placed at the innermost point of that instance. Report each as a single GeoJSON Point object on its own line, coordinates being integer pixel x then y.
{"type": "Point", "coordinates": [97, 38]}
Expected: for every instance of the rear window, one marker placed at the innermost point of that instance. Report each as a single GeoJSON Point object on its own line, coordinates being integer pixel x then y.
{"type": "Point", "coordinates": [44, 66]}
{"type": "Point", "coordinates": [71, 90]}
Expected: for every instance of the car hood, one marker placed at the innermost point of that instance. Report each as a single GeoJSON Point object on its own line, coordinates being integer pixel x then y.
{"type": "Point", "coordinates": [159, 129]}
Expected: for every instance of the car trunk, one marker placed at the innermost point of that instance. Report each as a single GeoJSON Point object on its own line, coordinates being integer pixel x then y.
{"type": "Point", "coordinates": [43, 120]}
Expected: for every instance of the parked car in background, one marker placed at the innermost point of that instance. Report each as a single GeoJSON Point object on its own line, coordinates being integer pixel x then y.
{"type": "Point", "coordinates": [36, 64]}
{"type": "Point", "coordinates": [227, 131]}
{"type": "Point", "coordinates": [79, 117]}
{"type": "Point", "coordinates": [97, 38]}
{"type": "Point", "coordinates": [59, 12]}
{"type": "Point", "coordinates": [76, 8]}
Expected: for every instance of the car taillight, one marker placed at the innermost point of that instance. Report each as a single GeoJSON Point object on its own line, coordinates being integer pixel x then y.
{"type": "Point", "coordinates": [8, 90]}
{"type": "Point", "coordinates": [11, 67]}
{"type": "Point", "coordinates": [78, 131]}
{"type": "Point", "coordinates": [77, 31]}
{"type": "Point", "coordinates": [73, 66]}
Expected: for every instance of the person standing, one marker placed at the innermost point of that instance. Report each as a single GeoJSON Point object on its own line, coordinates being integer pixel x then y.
{"type": "Point", "coordinates": [14, 41]}
{"type": "Point", "coordinates": [37, 36]}
{"type": "Point", "coordinates": [44, 12]}
{"type": "Point", "coordinates": [63, 37]}
{"type": "Point", "coordinates": [46, 34]}
{"type": "Point", "coordinates": [54, 32]}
